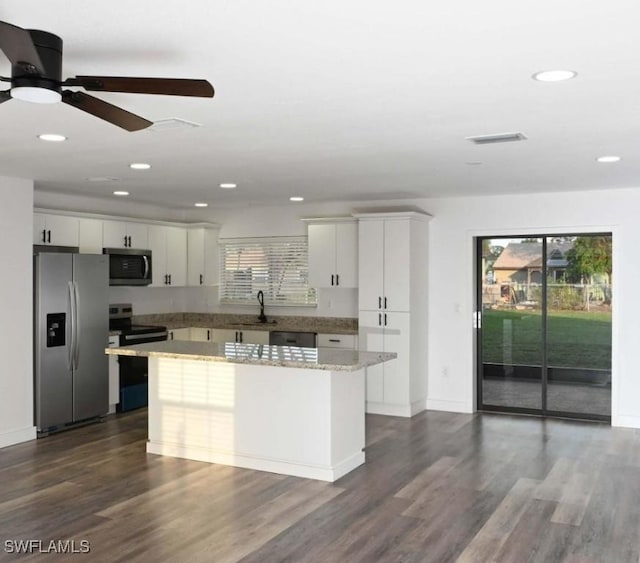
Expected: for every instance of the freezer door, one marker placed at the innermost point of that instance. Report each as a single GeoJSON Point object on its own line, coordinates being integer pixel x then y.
{"type": "Point", "coordinates": [52, 340]}
{"type": "Point", "coordinates": [90, 364]}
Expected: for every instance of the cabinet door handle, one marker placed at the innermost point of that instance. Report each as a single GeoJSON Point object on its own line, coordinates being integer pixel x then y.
{"type": "Point", "coordinates": [49, 236]}
{"type": "Point", "coordinates": [240, 336]}
{"type": "Point", "coordinates": [331, 279]}
{"type": "Point", "coordinates": [171, 334]}
{"type": "Point", "coordinates": [337, 279]}
{"type": "Point", "coordinates": [169, 279]}
{"type": "Point", "coordinates": [125, 241]}
{"type": "Point", "coordinates": [385, 319]}
{"type": "Point", "coordinates": [379, 302]}
{"type": "Point", "coordinates": [385, 302]}
{"type": "Point", "coordinates": [379, 319]}
{"type": "Point", "coordinates": [334, 340]}
{"type": "Point", "coordinates": [44, 235]}
{"type": "Point", "coordinates": [208, 335]}
{"type": "Point", "coordinates": [237, 336]}
{"type": "Point", "coordinates": [200, 279]}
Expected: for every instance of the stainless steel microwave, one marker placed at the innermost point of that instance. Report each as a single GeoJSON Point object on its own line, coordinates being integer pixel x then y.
{"type": "Point", "coordinates": [129, 266]}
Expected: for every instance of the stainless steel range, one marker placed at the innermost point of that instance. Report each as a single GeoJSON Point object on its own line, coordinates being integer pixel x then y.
{"type": "Point", "coordinates": [134, 371]}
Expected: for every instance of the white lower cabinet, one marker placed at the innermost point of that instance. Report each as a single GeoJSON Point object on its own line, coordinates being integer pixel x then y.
{"type": "Point", "coordinates": [197, 334]}
{"type": "Point", "coordinates": [241, 336]}
{"type": "Point", "coordinates": [388, 387]}
{"type": "Point", "coordinates": [179, 334]}
{"type": "Point", "coordinates": [345, 341]}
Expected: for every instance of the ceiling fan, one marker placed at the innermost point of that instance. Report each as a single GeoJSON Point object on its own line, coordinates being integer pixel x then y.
{"type": "Point", "coordinates": [36, 76]}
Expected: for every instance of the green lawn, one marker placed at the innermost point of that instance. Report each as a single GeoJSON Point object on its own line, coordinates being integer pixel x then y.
{"type": "Point", "coordinates": [575, 338]}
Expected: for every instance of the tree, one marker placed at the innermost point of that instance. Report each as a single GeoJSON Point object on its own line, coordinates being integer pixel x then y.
{"type": "Point", "coordinates": [590, 255]}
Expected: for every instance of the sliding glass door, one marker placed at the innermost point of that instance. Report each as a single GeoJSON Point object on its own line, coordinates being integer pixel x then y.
{"type": "Point", "coordinates": [544, 330]}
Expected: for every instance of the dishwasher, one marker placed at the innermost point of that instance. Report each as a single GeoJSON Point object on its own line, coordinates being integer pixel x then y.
{"type": "Point", "coordinates": [301, 339]}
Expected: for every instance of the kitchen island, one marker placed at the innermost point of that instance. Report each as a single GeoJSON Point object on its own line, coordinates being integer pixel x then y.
{"type": "Point", "coordinates": [289, 410]}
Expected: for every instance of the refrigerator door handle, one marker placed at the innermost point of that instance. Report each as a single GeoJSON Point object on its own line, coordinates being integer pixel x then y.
{"type": "Point", "coordinates": [76, 325]}
{"type": "Point", "coordinates": [72, 326]}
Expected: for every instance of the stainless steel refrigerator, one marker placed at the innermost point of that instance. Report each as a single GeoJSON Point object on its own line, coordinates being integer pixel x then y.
{"type": "Point", "coordinates": [71, 326]}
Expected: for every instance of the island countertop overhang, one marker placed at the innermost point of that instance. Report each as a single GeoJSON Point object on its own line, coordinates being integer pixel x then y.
{"type": "Point", "coordinates": [329, 359]}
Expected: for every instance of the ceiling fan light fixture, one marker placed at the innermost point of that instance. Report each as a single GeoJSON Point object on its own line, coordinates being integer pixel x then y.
{"type": "Point", "coordinates": [36, 95]}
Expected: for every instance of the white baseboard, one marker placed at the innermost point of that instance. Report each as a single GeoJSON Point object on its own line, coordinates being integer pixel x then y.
{"type": "Point", "coordinates": [388, 409]}
{"type": "Point", "coordinates": [625, 421]}
{"type": "Point", "coordinates": [449, 406]}
{"type": "Point", "coordinates": [17, 436]}
{"type": "Point", "coordinates": [321, 473]}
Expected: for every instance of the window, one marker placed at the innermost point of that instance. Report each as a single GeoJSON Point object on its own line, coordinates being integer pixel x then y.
{"type": "Point", "coordinates": [279, 266]}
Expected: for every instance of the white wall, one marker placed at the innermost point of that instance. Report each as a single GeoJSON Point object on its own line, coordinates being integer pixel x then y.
{"type": "Point", "coordinates": [16, 304]}
{"type": "Point", "coordinates": [451, 282]}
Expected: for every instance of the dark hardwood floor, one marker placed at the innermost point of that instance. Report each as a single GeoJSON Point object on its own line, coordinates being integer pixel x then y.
{"type": "Point", "coordinates": [439, 487]}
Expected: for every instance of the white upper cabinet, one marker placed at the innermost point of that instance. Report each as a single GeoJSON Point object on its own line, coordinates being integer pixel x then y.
{"type": "Point", "coordinates": [125, 234]}
{"type": "Point", "coordinates": [55, 230]}
{"type": "Point", "coordinates": [202, 252]}
{"type": "Point", "coordinates": [386, 271]}
{"type": "Point", "coordinates": [333, 252]}
{"type": "Point", "coordinates": [371, 264]}
{"type": "Point", "coordinates": [168, 247]}
{"type": "Point", "coordinates": [90, 236]}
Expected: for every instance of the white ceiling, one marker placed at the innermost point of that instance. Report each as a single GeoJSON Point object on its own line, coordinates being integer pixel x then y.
{"type": "Point", "coordinates": [336, 100]}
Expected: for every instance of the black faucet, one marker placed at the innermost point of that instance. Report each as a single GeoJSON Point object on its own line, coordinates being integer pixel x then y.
{"type": "Point", "coordinates": [262, 317]}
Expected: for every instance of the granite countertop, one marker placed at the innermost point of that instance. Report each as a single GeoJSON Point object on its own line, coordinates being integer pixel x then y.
{"type": "Point", "coordinates": [322, 325]}
{"type": "Point", "coordinates": [330, 359]}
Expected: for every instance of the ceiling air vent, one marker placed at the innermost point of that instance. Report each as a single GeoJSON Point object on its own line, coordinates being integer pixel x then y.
{"type": "Point", "coordinates": [497, 138]}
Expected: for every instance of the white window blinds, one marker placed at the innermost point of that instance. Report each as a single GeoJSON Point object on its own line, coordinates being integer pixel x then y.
{"type": "Point", "coordinates": [279, 266]}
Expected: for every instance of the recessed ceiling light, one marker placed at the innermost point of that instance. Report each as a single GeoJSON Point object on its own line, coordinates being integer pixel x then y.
{"type": "Point", "coordinates": [120, 192]}
{"type": "Point", "coordinates": [140, 166]}
{"type": "Point", "coordinates": [609, 158]}
{"type": "Point", "coordinates": [228, 186]}
{"type": "Point", "coordinates": [473, 163]}
{"type": "Point", "coordinates": [201, 204]}
{"type": "Point", "coordinates": [554, 75]}
{"type": "Point", "coordinates": [296, 198]}
{"type": "Point", "coordinates": [52, 137]}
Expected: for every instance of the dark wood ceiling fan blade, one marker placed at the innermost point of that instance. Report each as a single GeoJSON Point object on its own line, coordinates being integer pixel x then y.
{"type": "Point", "coordinates": [16, 43]}
{"type": "Point", "coordinates": [166, 86]}
{"type": "Point", "coordinates": [104, 110]}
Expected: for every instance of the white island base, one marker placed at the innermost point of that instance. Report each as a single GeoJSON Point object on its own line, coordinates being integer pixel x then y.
{"type": "Point", "coordinates": [289, 420]}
